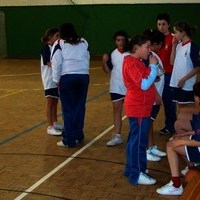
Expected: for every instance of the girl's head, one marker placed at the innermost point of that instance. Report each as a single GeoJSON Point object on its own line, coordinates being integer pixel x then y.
{"type": "Point", "coordinates": [163, 23]}
{"type": "Point", "coordinates": [182, 30]}
{"type": "Point", "coordinates": [156, 37]}
{"type": "Point", "coordinates": [68, 33]}
{"type": "Point", "coordinates": [121, 40]}
{"type": "Point", "coordinates": [50, 36]}
{"type": "Point", "coordinates": [196, 91]}
{"type": "Point", "coordinates": [140, 47]}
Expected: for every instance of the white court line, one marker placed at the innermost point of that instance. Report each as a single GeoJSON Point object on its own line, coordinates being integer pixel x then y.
{"type": "Point", "coordinates": [51, 173]}
{"type": "Point", "coordinates": [32, 74]}
{"type": "Point", "coordinates": [11, 75]}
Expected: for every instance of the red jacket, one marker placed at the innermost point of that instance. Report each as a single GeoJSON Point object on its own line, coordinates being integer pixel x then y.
{"type": "Point", "coordinates": [138, 102]}
{"type": "Point", "coordinates": [165, 52]}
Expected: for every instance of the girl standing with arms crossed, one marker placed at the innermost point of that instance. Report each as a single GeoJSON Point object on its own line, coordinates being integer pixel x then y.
{"type": "Point", "coordinates": [50, 88]}
{"type": "Point", "coordinates": [112, 64]}
{"type": "Point", "coordinates": [139, 99]}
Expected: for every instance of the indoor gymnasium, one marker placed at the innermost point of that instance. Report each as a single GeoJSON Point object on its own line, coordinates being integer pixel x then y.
{"type": "Point", "coordinates": [38, 165]}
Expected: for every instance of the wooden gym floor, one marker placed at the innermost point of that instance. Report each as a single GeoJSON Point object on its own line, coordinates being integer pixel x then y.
{"type": "Point", "coordinates": [32, 167]}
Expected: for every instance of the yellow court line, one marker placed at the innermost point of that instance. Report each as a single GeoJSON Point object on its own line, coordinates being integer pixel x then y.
{"type": "Point", "coordinates": [16, 92]}
{"type": "Point", "coordinates": [92, 68]}
{"type": "Point", "coordinates": [24, 90]}
{"type": "Point", "coordinates": [12, 93]}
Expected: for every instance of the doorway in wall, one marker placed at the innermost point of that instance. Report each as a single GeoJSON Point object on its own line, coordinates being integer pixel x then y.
{"type": "Point", "coordinates": [3, 43]}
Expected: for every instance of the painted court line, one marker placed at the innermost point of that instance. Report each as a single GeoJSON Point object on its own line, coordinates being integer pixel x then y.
{"type": "Point", "coordinates": [11, 75]}
{"type": "Point", "coordinates": [51, 173]}
{"type": "Point", "coordinates": [33, 74]}
{"type": "Point", "coordinates": [18, 91]}
{"type": "Point", "coordinates": [12, 93]}
{"type": "Point", "coordinates": [14, 136]}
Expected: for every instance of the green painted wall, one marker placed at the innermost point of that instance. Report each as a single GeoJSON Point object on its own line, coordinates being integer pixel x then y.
{"type": "Point", "coordinates": [97, 23]}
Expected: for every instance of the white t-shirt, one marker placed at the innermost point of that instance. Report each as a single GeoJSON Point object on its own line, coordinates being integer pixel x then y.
{"type": "Point", "coordinates": [185, 61]}
{"type": "Point", "coordinates": [46, 71]}
{"type": "Point", "coordinates": [116, 78]}
{"type": "Point", "coordinates": [159, 84]}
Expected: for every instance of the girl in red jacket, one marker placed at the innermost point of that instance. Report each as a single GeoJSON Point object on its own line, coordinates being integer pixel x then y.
{"type": "Point", "coordinates": [139, 99]}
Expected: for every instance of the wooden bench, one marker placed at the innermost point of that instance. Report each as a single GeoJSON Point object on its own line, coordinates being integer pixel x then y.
{"type": "Point", "coordinates": [192, 190]}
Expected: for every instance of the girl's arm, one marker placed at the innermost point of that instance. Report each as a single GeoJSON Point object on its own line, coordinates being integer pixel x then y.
{"type": "Point", "coordinates": [180, 142]}
{"type": "Point", "coordinates": [56, 65]}
{"type": "Point", "coordinates": [188, 76]}
{"type": "Point", "coordinates": [147, 82]}
{"type": "Point", "coordinates": [46, 53]}
{"type": "Point", "coordinates": [192, 143]}
{"type": "Point", "coordinates": [183, 134]}
{"type": "Point", "coordinates": [107, 63]}
{"type": "Point", "coordinates": [173, 52]}
{"type": "Point", "coordinates": [195, 57]}
{"type": "Point", "coordinates": [158, 98]}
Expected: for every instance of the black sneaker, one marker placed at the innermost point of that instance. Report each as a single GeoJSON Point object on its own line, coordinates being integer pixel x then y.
{"type": "Point", "coordinates": [165, 131]}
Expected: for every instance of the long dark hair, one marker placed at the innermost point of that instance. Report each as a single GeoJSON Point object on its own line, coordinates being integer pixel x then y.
{"type": "Point", "coordinates": [68, 33]}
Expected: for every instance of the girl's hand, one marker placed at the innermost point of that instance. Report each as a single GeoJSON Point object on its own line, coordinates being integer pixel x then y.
{"type": "Point", "coordinates": [153, 60]}
{"type": "Point", "coordinates": [105, 58]}
{"type": "Point", "coordinates": [49, 64]}
{"type": "Point", "coordinates": [176, 143]}
{"type": "Point", "coordinates": [181, 83]}
{"type": "Point", "coordinates": [174, 42]}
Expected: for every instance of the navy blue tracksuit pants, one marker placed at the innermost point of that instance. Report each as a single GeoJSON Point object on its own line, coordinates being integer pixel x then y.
{"type": "Point", "coordinates": [136, 159]}
{"type": "Point", "coordinates": [169, 105]}
{"type": "Point", "coordinates": [73, 95]}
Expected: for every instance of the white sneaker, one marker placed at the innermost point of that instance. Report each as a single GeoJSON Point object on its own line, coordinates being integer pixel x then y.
{"type": "Point", "coordinates": [196, 164]}
{"type": "Point", "coordinates": [152, 157]}
{"type": "Point", "coordinates": [184, 171]}
{"type": "Point", "coordinates": [154, 150]}
{"type": "Point", "coordinates": [61, 144]}
{"type": "Point", "coordinates": [169, 189]}
{"type": "Point", "coordinates": [117, 139]}
{"type": "Point", "coordinates": [52, 131]}
{"type": "Point", "coordinates": [58, 126]}
{"type": "Point", "coordinates": [145, 179]}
